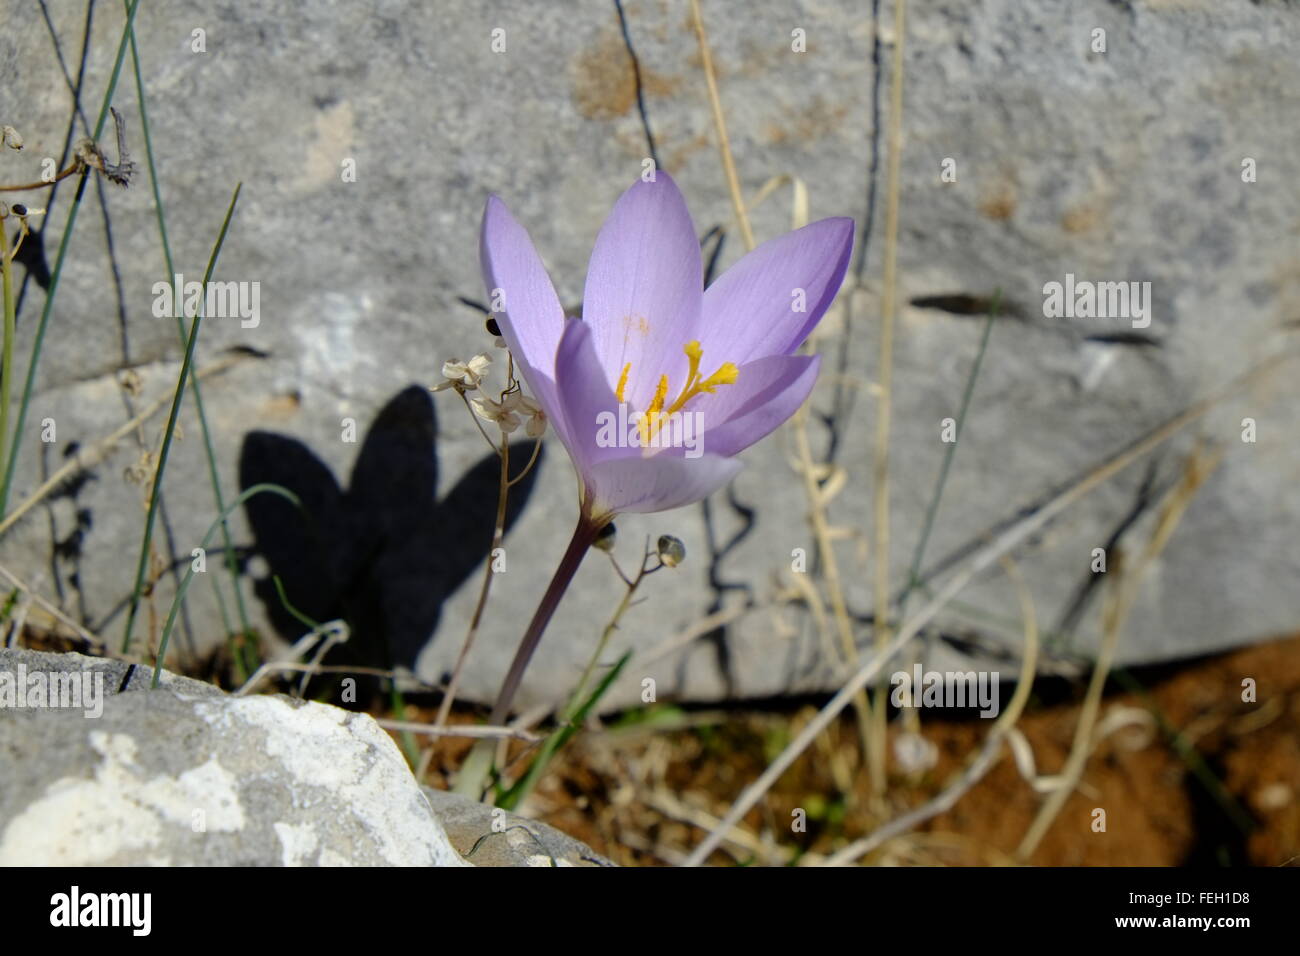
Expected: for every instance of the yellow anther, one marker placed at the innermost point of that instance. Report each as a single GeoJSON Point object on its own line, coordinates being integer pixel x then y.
{"type": "Point", "coordinates": [694, 352]}
{"type": "Point", "coordinates": [651, 421]}
{"type": "Point", "coordinates": [726, 375]}
{"type": "Point", "coordinates": [622, 383]}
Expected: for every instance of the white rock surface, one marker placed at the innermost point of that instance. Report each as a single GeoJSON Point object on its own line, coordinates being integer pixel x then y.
{"type": "Point", "coordinates": [185, 775]}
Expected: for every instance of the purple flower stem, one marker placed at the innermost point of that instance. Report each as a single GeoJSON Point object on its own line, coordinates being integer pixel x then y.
{"type": "Point", "coordinates": [474, 771]}
{"type": "Point", "coordinates": [583, 536]}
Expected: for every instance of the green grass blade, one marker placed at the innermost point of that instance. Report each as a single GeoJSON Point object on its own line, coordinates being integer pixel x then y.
{"type": "Point", "coordinates": [155, 491]}
{"type": "Point", "coordinates": [200, 409]}
{"type": "Point", "coordinates": [914, 573]}
{"type": "Point", "coordinates": [561, 736]}
{"type": "Point", "coordinates": [57, 271]}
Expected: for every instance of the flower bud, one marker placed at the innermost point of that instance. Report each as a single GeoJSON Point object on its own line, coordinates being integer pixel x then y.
{"type": "Point", "coordinates": [605, 538]}
{"type": "Point", "coordinates": [671, 550]}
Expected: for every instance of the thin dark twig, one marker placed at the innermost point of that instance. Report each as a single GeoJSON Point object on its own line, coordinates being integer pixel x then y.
{"type": "Point", "coordinates": [845, 397]}
{"type": "Point", "coordinates": [636, 75]}
{"type": "Point", "coordinates": [74, 88]}
{"type": "Point", "coordinates": [873, 169]}
{"type": "Point", "coordinates": [711, 266]}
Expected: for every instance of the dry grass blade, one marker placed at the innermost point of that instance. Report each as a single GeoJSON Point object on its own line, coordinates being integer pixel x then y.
{"type": "Point", "coordinates": [724, 143]}
{"type": "Point", "coordinates": [97, 452]}
{"type": "Point", "coordinates": [92, 640]}
{"type": "Point", "coordinates": [982, 559]}
{"type": "Point", "coordinates": [665, 802]}
{"type": "Point", "coordinates": [466, 730]}
{"type": "Point", "coordinates": [476, 619]}
{"type": "Point", "coordinates": [826, 551]}
{"type": "Point", "coordinates": [1175, 505]}
{"type": "Point", "coordinates": [984, 760]}
{"type": "Point", "coordinates": [814, 493]}
{"type": "Point", "coordinates": [877, 754]}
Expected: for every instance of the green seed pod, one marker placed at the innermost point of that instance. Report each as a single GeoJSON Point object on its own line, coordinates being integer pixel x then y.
{"type": "Point", "coordinates": [671, 550]}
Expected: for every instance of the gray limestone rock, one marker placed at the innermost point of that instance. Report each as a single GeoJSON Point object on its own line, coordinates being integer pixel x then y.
{"type": "Point", "coordinates": [490, 836]}
{"type": "Point", "coordinates": [189, 775]}
{"type": "Point", "coordinates": [186, 775]}
{"type": "Point", "coordinates": [1123, 165]}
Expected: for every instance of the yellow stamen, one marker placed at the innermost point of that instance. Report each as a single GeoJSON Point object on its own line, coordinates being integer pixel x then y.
{"type": "Point", "coordinates": [652, 420]}
{"type": "Point", "coordinates": [694, 352]}
{"type": "Point", "coordinates": [622, 383]}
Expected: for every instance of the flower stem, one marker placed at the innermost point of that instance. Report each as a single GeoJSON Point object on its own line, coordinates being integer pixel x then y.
{"type": "Point", "coordinates": [583, 536]}
{"type": "Point", "coordinates": [578, 705]}
{"type": "Point", "coordinates": [477, 765]}
{"type": "Point", "coordinates": [6, 360]}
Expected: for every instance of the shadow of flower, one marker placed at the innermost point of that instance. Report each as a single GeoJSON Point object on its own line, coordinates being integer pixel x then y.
{"type": "Point", "coordinates": [384, 554]}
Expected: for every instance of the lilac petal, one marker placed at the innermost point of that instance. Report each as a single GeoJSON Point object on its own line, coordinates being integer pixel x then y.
{"type": "Point", "coordinates": [767, 392]}
{"type": "Point", "coordinates": [584, 395]}
{"type": "Point", "coordinates": [657, 483]}
{"type": "Point", "coordinates": [644, 288]}
{"type": "Point", "coordinates": [749, 312]}
{"type": "Point", "coordinates": [622, 479]}
{"type": "Point", "coordinates": [533, 319]}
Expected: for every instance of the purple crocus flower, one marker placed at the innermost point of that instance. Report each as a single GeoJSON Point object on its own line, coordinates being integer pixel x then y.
{"type": "Point", "coordinates": [700, 374]}
{"type": "Point", "coordinates": [654, 349]}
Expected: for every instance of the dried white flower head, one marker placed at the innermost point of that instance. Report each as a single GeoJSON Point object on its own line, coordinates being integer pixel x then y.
{"type": "Point", "coordinates": [536, 425]}
{"type": "Point", "coordinates": [463, 375]}
{"type": "Point", "coordinates": [501, 413]}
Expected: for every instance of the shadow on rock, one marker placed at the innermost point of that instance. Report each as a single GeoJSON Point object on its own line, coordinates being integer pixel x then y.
{"type": "Point", "coordinates": [384, 554]}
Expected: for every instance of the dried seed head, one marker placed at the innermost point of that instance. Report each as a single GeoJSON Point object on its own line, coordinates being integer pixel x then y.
{"type": "Point", "coordinates": [88, 153]}
{"type": "Point", "coordinates": [132, 383]}
{"type": "Point", "coordinates": [536, 424]}
{"type": "Point", "coordinates": [502, 413]}
{"type": "Point", "coordinates": [139, 471]}
{"type": "Point", "coordinates": [463, 376]}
